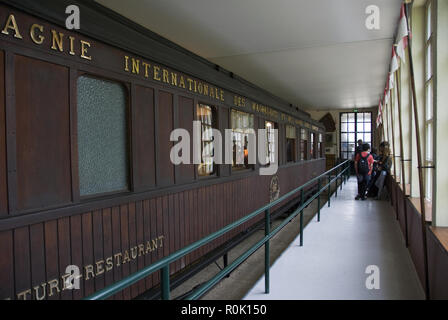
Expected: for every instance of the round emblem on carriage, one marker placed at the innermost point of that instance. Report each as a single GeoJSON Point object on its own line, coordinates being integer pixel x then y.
{"type": "Point", "coordinates": [274, 189]}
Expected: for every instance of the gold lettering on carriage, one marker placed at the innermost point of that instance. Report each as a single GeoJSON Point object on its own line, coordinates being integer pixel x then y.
{"type": "Point", "coordinates": [90, 271]}
{"type": "Point", "coordinates": [53, 39]}
{"type": "Point", "coordinates": [171, 78]}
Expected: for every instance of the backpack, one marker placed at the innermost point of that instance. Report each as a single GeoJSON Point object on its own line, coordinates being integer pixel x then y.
{"type": "Point", "coordinates": [363, 165]}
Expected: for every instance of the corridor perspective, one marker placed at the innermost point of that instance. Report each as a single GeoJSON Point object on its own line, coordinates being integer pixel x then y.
{"type": "Point", "coordinates": [223, 150]}
{"type": "Point", "coordinates": [352, 238]}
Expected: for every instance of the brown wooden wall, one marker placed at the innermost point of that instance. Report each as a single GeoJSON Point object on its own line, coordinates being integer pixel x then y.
{"type": "Point", "coordinates": [37, 253]}
{"type": "Point", "coordinates": [44, 223]}
{"type": "Point", "coordinates": [409, 219]}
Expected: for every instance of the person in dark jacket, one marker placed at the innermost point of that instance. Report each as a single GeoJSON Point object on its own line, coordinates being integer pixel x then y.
{"type": "Point", "coordinates": [363, 168]}
{"type": "Point", "coordinates": [358, 149]}
{"type": "Point", "coordinates": [374, 175]}
{"type": "Point", "coordinates": [384, 164]}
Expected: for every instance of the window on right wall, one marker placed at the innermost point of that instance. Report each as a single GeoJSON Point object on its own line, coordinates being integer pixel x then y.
{"type": "Point", "coordinates": [429, 127]}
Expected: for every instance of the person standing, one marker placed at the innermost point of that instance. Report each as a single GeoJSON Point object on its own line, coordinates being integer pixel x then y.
{"type": "Point", "coordinates": [384, 166]}
{"type": "Point", "coordinates": [363, 168]}
{"type": "Point", "coordinates": [358, 148]}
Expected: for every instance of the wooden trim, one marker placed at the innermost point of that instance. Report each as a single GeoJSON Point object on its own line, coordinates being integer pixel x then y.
{"type": "Point", "coordinates": [120, 199]}
{"type": "Point", "coordinates": [11, 138]}
{"type": "Point", "coordinates": [74, 134]}
{"type": "Point", "coordinates": [441, 234]}
{"type": "Point", "coordinates": [175, 120]}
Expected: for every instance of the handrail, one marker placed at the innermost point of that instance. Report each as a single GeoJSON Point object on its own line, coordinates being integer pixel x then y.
{"type": "Point", "coordinates": [164, 263]}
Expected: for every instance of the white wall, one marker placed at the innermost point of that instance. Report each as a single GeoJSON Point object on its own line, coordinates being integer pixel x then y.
{"type": "Point", "coordinates": [440, 214]}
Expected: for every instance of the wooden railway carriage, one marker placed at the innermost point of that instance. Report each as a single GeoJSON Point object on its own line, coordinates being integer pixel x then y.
{"type": "Point", "coordinates": [85, 171]}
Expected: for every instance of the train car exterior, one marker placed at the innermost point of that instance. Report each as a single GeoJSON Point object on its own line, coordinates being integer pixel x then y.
{"type": "Point", "coordinates": [86, 178]}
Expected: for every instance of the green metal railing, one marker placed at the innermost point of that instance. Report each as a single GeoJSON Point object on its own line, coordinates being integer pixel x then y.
{"type": "Point", "coordinates": [340, 172]}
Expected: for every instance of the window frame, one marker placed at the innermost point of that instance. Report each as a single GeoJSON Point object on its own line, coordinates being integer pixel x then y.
{"type": "Point", "coordinates": [304, 132]}
{"type": "Point", "coordinates": [355, 132]}
{"type": "Point", "coordinates": [320, 145]}
{"type": "Point", "coordinates": [294, 142]}
{"type": "Point", "coordinates": [214, 114]}
{"type": "Point", "coordinates": [274, 126]}
{"type": "Point", "coordinates": [429, 133]}
{"type": "Point", "coordinates": [235, 167]}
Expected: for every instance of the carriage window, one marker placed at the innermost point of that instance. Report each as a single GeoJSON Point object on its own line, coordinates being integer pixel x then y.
{"type": "Point", "coordinates": [242, 125]}
{"type": "Point", "coordinates": [270, 142]}
{"type": "Point", "coordinates": [321, 141]}
{"type": "Point", "coordinates": [102, 137]}
{"type": "Point", "coordinates": [290, 143]}
{"type": "Point", "coordinates": [312, 146]}
{"type": "Point", "coordinates": [205, 115]}
{"type": "Point", "coordinates": [303, 144]}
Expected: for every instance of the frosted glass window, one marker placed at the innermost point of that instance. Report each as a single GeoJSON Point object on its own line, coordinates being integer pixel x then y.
{"type": "Point", "coordinates": [102, 137]}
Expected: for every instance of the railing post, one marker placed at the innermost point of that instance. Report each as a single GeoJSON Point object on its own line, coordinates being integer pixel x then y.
{"type": "Point", "coordinates": [301, 218]}
{"type": "Point", "coordinates": [336, 183]}
{"type": "Point", "coordinates": [267, 231]}
{"type": "Point", "coordinates": [342, 176]}
{"type": "Point", "coordinates": [318, 200]}
{"type": "Point", "coordinates": [225, 259]}
{"type": "Point", "coordinates": [329, 189]}
{"type": "Point", "coordinates": [166, 282]}
{"type": "Point", "coordinates": [345, 174]}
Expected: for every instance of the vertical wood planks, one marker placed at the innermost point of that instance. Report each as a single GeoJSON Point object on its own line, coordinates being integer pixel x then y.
{"type": "Point", "coordinates": [64, 254]}
{"type": "Point", "coordinates": [7, 264]}
{"type": "Point", "coordinates": [140, 239]}
{"type": "Point", "coordinates": [38, 274]}
{"type": "Point", "coordinates": [77, 250]}
{"type": "Point", "coordinates": [116, 246]}
{"type": "Point", "coordinates": [22, 262]}
{"type": "Point", "coordinates": [51, 259]}
{"type": "Point", "coordinates": [144, 177]}
{"type": "Point", "coordinates": [124, 221]}
{"type": "Point", "coordinates": [108, 243]}
{"type": "Point", "coordinates": [3, 170]}
{"type": "Point", "coordinates": [165, 169]}
{"type": "Point", "coordinates": [98, 250]}
{"type": "Point", "coordinates": [133, 250]}
{"type": "Point", "coordinates": [42, 128]}
{"type": "Point", "coordinates": [87, 251]}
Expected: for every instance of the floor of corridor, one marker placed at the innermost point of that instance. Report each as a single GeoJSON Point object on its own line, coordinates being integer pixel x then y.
{"type": "Point", "coordinates": [351, 236]}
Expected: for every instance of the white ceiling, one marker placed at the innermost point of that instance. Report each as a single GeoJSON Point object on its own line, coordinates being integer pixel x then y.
{"type": "Point", "coordinates": [317, 54]}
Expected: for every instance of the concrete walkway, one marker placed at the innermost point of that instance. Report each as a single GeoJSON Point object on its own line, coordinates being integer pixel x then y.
{"type": "Point", "coordinates": [351, 236]}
